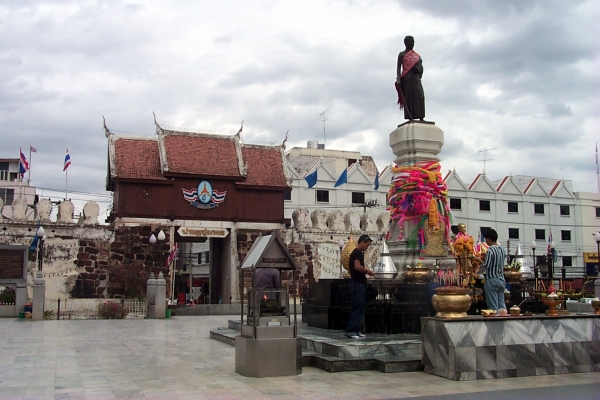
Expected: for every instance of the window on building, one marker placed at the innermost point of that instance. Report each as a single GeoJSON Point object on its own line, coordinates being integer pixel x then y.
{"type": "Point", "coordinates": [358, 198]}
{"type": "Point", "coordinates": [565, 210]}
{"type": "Point", "coordinates": [3, 171]}
{"type": "Point", "coordinates": [7, 196]}
{"type": "Point", "coordinates": [513, 207]}
{"type": "Point", "coordinates": [540, 234]}
{"type": "Point", "coordinates": [538, 208]}
{"type": "Point", "coordinates": [484, 205]}
{"type": "Point", "coordinates": [567, 261]}
{"type": "Point", "coordinates": [513, 233]}
{"type": "Point", "coordinates": [597, 212]}
{"type": "Point", "coordinates": [351, 161]}
{"type": "Point", "coordinates": [203, 257]}
{"type": "Point", "coordinates": [322, 196]}
{"type": "Point", "coordinates": [565, 236]}
{"type": "Point", "coordinates": [455, 204]}
{"type": "Point", "coordinates": [287, 195]}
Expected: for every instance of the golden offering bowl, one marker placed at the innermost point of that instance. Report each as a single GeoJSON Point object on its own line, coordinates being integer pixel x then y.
{"type": "Point", "coordinates": [417, 275]}
{"type": "Point", "coordinates": [512, 275]}
{"type": "Point", "coordinates": [451, 302]}
{"type": "Point", "coordinates": [552, 303]}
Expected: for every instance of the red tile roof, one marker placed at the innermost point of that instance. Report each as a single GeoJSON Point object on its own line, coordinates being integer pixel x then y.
{"type": "Point", "coordinates": [474, 181]}
{"type": "Point", "coordinates": [137, 159]}
{"type": "Point", "coordinates": [202, 155]}
{"type": "Point", "coordinates": [265, 166]}
{"type": "Point", "coordinates": [554, 188]}
{"type": "Point", "coordinates": [501, 183]}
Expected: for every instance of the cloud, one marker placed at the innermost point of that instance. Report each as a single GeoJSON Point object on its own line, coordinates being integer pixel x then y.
{"type": "Point", "coordinates": [512, 75]}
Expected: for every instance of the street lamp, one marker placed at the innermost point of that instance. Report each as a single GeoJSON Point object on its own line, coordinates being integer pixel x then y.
{"type": "Point", "coordinates": [41, 234]}
{"type": "Point", "coordinates": [341, 246]}
{"type": "Point", "coordinates": [535, 264]}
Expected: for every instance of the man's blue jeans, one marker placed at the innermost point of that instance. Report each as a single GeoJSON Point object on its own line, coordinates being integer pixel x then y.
{"type": "Point", "coordinates": [358, 292]}
{"type": "Point", "coordinates": [494, 293]}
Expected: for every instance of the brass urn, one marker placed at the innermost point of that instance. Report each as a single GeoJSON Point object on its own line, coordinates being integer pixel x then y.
{"type": "Point", "coordinates": [552, 303]}
{"type": "Point", "coordinates": [418, 275]}
{"type": "Point", "coordinates": [451, 302]}
{"type": "Point", "coordinates": [512, 275]}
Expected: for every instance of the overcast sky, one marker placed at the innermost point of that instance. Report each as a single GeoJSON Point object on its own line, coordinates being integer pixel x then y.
{"type": "Point", "coordinates": [520, 77]}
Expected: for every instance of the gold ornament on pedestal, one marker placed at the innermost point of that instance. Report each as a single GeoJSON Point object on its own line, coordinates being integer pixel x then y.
{"type": "Point", "coordinates": [346, 251]}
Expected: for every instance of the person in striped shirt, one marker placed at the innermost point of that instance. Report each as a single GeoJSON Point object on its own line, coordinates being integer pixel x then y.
{"type": "Point", "coordinates": [493, 269]}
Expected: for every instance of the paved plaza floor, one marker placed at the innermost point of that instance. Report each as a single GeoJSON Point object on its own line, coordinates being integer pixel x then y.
{"type": "Point", "coordinates": [176, 359]}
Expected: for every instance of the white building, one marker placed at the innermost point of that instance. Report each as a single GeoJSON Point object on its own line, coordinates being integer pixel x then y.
{"type": "Point", "coordinates": [520, 208]}
{"type": "Point", "coordinates": [13, 188]}
{"type": "Point", "coordinates": [523, 209]}
{"type": "Point", "coordinates": [358, 192]}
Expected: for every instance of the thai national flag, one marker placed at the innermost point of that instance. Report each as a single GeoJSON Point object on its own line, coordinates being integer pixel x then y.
{"type": "Point", "coordinates": [218, 197]}
{"type": "Point", "coordinates": [190, 195]}
{"type": "Point", "coordinates": [23, 164]}
{"type": "Point", "coordinates": [67, 161]}
{"type": "Point", "coordinates": [549, 243]}
{"type": "Point", "coordinates": [172, 255]}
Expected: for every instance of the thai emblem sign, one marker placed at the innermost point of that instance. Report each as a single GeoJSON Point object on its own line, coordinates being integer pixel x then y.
{"type": "Point", "coordinates": [204, 196]}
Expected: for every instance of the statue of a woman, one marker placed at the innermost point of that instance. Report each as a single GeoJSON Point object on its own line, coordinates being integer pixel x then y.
{"type": "Point", "coordinates": [408, 82]}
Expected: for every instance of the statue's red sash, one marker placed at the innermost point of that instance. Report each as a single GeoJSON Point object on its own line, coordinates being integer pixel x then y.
{"type": "Point", "coordinates": [408, 61]}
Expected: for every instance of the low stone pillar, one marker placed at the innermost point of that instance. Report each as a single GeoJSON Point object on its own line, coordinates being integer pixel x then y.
{"type": "Point", "coordinates": [160, 299]}
{"type": "Point", "coordinates": [150, 296]}
{"type": "Point", "coordinates": [597, 288]}
{"type": "Point", "coordinates": [39, 297]}
{"type": "Point", "coordinates": [20, 297]}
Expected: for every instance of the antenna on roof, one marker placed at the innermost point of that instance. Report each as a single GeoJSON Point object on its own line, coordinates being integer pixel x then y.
{"type": "Point", "coordinates": [322, 116]}
{"type": "Point", "coordinates": [485, 159]}
{"type": "Point", "coordinates": [597, 168]}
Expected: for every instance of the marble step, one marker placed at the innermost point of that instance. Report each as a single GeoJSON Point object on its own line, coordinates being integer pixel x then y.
{"type": "Point", "coordinates": [225, 335]}
{"type": "Point", "coordinates": [392, 357]}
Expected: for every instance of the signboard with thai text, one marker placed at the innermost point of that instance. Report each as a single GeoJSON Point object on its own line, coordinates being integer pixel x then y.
{"type": "Point", "coordinates": [203, 232]}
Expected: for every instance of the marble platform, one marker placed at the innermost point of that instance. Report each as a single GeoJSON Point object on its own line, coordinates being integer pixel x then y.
{"type": "Point", "coordinates": [503, 347]}
{"type": "Point", "coordinates": [331, 351]}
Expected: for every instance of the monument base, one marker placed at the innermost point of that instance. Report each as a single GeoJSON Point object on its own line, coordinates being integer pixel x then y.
{"type": "Point", "coordinates": [415, 141]}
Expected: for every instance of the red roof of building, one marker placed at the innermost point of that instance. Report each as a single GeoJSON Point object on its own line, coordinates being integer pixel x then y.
{"type": "Point", "coordinates": [265, 166]}
{"type": "Point", "coordinates": [202, 155]}
{"type": "Point", "coordinates": [137, 159]}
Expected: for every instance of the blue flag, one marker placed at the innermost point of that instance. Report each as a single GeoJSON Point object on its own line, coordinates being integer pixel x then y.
{"type": "Point", "coordinates": [34, 242]}
{"type": "Point", "coordinates": [311, 179]}
{"type": "Point", "coordinates": [342, 179]}
{"type": "Point", "coordinates": [376, 181]}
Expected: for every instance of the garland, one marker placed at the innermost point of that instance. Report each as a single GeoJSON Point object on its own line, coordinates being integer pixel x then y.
{"type": "Point", "coordinates": [419, 194]}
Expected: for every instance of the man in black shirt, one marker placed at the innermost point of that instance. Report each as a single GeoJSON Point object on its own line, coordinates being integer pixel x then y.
{"type": "Point", "coordinates": [358, 287]}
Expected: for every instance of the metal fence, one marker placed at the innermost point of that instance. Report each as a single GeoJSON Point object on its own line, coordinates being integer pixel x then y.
{"type": "Point", "coordinates": [89, 308]}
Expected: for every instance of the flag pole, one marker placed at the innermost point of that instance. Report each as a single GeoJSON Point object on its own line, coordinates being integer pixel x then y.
{"type": "Point", "coordinates": [66, 183]}
{"type": "Point", "coordinates": [29, 171]}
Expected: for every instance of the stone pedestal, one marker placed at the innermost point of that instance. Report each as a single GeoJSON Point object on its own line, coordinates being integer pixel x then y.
{"type": "Point", "coordinates": [504, 347]}
{"type": "Point", "coordinates": [39, 297]}
{"type": "Point", "coordinates": [150, 296]}
{"type": "Point", "coordinates": [414, 142]}
{"type": "Point", "coordinates": [160, 299]}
